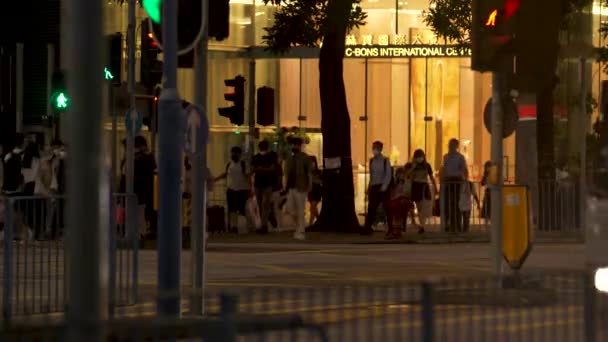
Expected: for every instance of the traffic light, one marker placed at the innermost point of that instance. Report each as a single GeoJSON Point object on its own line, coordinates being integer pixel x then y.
{"type": "Point", "coordinates": [219, 22]}
{"type": "Point", "coordinates": [189, 22]}
{"type": "Point", "coordinates": [113, 71]}
{"type": "Point", "coordinates": [537, 43]}
{"type": "Point", "coordinates": [60, 100]}
{"type": "Point", "coordinates": [265, 106]}
{"type": "Point", "coordinates": [236, 113]}
{"type": "Point", "coordinates": [151, 71]}
{"type": "Point", "coordinates": [151, 120]}
{"type": "Point", "coordinates": [492, 34]}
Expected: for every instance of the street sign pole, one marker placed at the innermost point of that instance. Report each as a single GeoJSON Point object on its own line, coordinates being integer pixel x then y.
{"type": "Point", "coordinates": [84, 246]}
{"type": "Point", "coordinates": [498, 87]}
{"type": "Point", "coordinates": [169, 172]}
{"type": "Point", "coordinates": [199, 175]}
{"type": "Point", "coordinates": [130, 148]}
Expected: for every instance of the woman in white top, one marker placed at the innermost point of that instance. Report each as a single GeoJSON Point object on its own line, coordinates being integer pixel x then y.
{"type": "Point", "coordinates": [30, 166]}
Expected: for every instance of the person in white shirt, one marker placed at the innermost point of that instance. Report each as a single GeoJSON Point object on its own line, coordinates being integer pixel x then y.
{"type": "Point", "coordinates": [238, 185]}
{"type": "Point", "coordinates": [381, 174]}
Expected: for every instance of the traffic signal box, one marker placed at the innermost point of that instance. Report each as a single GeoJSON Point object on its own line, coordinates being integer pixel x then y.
{"type": "Point", "coordinates": [265, 106]}
{"type": "Point", "coordinates": [493, 34]}
{"type": "Point", "coordinates": [235, 113]}
{"type": "Point", "coordinates": [60, 100]}
{"type": "Point", "coordinates": [151, 68]}
{"type": "Point", "coordinates": [113, 71]}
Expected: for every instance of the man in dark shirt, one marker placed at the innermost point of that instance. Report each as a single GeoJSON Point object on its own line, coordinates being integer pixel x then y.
{"type": "Point", "coordinates": [144, 167]}
{"type": "Point", "coordinates": [266, 168]}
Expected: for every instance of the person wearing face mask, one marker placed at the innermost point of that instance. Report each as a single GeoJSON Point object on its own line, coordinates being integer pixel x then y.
{"type": "Point", "coordinates": [265, 165]}
{"type": "Point", "coordinates": [454, 174]}
{"type": "Point", "coordinates": [238, 186]}
{"type": "Point", "coordinates": [381, 175]}
{"type": "Point", "coordinates": [420, 172]}
{"type": "Point", "coordinates": [299, 171]}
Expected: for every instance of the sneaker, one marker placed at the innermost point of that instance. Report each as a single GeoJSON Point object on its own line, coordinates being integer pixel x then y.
{"type": "Point", "coordinates": [299, 236]}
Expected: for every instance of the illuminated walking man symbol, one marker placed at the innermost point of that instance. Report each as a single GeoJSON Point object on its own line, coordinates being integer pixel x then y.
{"type": "Point", "coordinates": [108, 74]}
{"type": "Point", "coordinates": [492, 18]}
{"type": "Point", "coordinates": [61, 101]}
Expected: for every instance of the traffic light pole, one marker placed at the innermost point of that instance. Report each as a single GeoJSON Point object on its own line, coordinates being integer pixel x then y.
{"type": "Point", "coordinates": [169, 172]}
{"type": "Point", "coordinates": [199, 178]}
{"type": "Point", "coordinates": [251, 146]}
{"type": "Point", "coordinates": [498, 90]}
{"type": "Point", "coordinates": [131, 89]}
{"type": "Point", "coordinates": [84, 244]}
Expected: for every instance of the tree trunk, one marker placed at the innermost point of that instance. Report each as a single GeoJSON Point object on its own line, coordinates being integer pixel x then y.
{"type": "Point", "coordinates": [338, 210]}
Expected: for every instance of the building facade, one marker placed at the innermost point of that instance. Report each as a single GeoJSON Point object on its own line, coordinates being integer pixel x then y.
{"type": "Point", "coordinates": [404, 87]}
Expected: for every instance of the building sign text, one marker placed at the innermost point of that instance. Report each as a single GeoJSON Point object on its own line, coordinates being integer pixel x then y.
{"type": "Point", "coordinates": [406, 51]}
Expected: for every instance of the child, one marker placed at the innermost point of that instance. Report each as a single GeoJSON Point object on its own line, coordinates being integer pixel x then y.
{"type": "Point", "coordinates": [399, 203]}
{"type": "Point", "coordinates": [466, 192]}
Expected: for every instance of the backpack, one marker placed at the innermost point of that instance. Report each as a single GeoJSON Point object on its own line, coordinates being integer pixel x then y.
{"type": "Point", "coordinates": [392, 182]}
{"type": "Point", "coordinates": [13, 178]}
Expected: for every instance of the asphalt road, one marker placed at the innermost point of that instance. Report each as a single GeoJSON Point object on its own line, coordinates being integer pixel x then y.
{"type": "Point", "coordinates": [360, 292]}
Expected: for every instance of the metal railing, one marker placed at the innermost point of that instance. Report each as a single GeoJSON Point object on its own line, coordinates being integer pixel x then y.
{"type": "Point", "coordinates": [34, 271]}
{"type": "Point", "coordinates": [560, 306]}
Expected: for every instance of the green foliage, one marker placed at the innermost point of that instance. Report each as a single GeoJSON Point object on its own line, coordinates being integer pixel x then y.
{"type": "Point", "coordinates": [281, 138]}
{"type": "Point", "coordinates": [449, 19]}
{"type": "Point", "coordinates": [305, 22]}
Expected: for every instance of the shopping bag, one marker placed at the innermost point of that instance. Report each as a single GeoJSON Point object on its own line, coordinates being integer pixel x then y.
{"type": "Point", "coordinates": [253, 212]}
{"type": "Point", "coordinates": [120, 215]}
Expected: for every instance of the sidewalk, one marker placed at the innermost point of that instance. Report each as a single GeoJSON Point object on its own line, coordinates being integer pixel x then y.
{"type": "Point", "coordinates": [376, 238]}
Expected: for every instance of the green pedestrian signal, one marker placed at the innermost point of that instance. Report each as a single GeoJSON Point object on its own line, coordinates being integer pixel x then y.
{"type": "Point", "coordinates": [61, 101]}
{"type": "Point", "coordinates": [108, 74]}
{"type": "Point", "coordinates": [154, 9]}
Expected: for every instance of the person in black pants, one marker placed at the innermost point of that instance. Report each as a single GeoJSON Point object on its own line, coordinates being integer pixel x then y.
{"type": "Point", "coordinates": [381, 174]}
{"type": "Point", "coordinates": [455, 173]}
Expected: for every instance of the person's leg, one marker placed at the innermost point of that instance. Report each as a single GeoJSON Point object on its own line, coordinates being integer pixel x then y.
{"type": "Point", "coordinates": [266, 207]}
{"type": "Point", "coordinates": [300, 204]}
{"type": "Point", "coordinates": [314, 212]}
{"type": "Point", "coordinates": [372, 207]}
{"type": "Point", "coordinates": [231, 202]}
{"type": "Point", "coordinates": [466, 220]}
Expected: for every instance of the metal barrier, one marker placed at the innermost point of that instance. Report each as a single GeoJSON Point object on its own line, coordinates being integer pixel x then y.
{"type": "Point", "coordinates": [34, 276]}
{"type": "Point", "coordinates": [558, 211]}
{"type": "Point", "coordinates": [226, 326]}
{"type": "Point", "coordinates": [560, 306]}
{"type": "Point", "coordinates": [555, 307]}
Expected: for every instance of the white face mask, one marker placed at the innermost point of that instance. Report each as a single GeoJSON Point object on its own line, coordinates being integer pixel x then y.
{"type": "Point", "coordinates": [263, 152]}
{"type": "Point", "coordinates": [419, 159]}
{"type": "Point", "coordinates": [376, 152]}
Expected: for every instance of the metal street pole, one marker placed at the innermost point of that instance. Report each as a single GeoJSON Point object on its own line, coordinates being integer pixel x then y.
{"type": "Point", "coordinates": [251, 146]}
{"type": "Point", "coordinates": [583, 175]}
{"type": "Point", "coordinates": [169, 171]}
{"type": "Point", "coordinates": [83, 234]}
{"type": "Point", "coordinates": [199, 177]}
{"type": "Point", "coordinates": [131, 89]}
{"type": "Point", "coordinates": [498, 87]}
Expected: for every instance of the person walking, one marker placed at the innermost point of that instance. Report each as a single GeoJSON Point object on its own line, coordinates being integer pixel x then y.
{"type": "Point", "coordinates": [454, 174]}
{"type": "Point", "coordinates": [238, 186]}
{"type": "Point", "coordinates": [265, 165]}
{"type": "Point", "coordinates": [421, 174]}
{"type": "Point", "coordinates": [144, 167]}
{"type": "Point", "coordinates": [31, 171]}
{"type": "Point", "coordinates": [299, 183]}
{"type": "Point", "coordinates": [316, 194]}
{"type": "Point", "coordinates": [381, 175]}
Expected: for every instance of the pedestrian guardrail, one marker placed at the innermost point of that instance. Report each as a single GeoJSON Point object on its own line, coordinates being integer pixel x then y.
{"type": "Point", "coordinates": [555, 306]}
{"type": "Point", "coordinates": [227, 326]}
{"type": "Point", "coordinates": [34, 274]}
